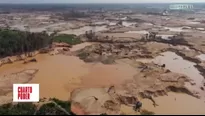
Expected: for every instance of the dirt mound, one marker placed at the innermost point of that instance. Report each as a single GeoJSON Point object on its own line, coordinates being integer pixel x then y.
{"type": "Point", "coordinates": [109, 52]}
{"type": "Point", "coordinates": [30, 60]}
{"type": "Point", "coordinates": [6, 60]}
{"type": "Point", "coordinates": [91, 100]}
{"type": "Point", "coordinates": [98, 101]}
{"type": "Point", "coordinates": [12, 59]}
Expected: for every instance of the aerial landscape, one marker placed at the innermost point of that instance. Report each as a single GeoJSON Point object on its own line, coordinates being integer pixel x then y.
{"type": "Point", "coordinates": [102, 59]}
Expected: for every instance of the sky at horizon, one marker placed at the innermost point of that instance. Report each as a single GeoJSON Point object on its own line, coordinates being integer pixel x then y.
{"type": "Point", "coordinates": [101, 1]}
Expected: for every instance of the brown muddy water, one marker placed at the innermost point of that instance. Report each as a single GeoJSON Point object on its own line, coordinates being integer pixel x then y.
{"type": "Point", "coordinates": [179, 65]}
{"type": "Point", "coordinates": [59, 74]}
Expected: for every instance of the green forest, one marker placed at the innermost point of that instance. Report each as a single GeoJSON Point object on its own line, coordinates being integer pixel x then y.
{"type": "Point", "coordinates": [70, 39]}
{"type": "Point", "coordinates": [14, 42]}
{"type": "Point", "coordinates": [50, 108]}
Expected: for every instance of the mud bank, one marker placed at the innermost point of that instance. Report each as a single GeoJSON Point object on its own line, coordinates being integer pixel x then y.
{"type": "Point", "coordinates": [138, 32]}
{"type": "Point", "coordinates": [7, 81]}
{"type": "Point", "coordinates": [196, 60]}
{"type": "Point", "coordinates": [175, 103]}
{"type": "Point", "coordinates": [177, 64]}
{"type": "Point", "coordinates": [172, 41]}
{"type": "Point", "coordinates": [184, 67]}
{"type": "Point", "coordinates": [11, 59]}
{"type": "Point", "coordinates": [176, 29]}
{"type": "Point", "coordinates": [201, 57]}
{"type": "Point", "coordinates": [99, 100]}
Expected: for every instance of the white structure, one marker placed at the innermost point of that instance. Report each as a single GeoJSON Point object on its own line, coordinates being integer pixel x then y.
{"type": "Point", "coordinates": [181, 7]}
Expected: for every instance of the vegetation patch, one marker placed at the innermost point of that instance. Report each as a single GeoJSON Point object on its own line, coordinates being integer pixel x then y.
{"type": "Point", "coordinates": [18, 109]}
{"type": "Point", "coordinates": [70, 39]}
{"type": "Point", "coordinates": [14, 42]}
{"type": "Point", "coordinates": [51, 108]}
{"type": "Point", "coordinates": [64, 104]}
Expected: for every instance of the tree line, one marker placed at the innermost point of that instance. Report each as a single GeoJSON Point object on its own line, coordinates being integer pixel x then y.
{"type": "Point", "coordinates": [50, 108]}
{"type": "Point", "coordinates": [14, 42]}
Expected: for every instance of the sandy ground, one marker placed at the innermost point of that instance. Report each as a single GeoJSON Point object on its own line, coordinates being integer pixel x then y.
{"type": "Point", "coordinates": [201, 57]}
{"type": "Point", "coordinates": [127, 24]}
{"type": "Point", "coordinates": [176, 29]}
{"type": "Point", "coordinates": [177, 64]}
{"type": "Point", "coordinates": [143, 32]}
{"type": "Point", "coordinates": [123, 35]}
{"type": "Point", "coordinates": [173, 104]}
{"type": "Point", "coordinates": [80, 46]}
{"type": "Point", "coordinates": [83, 30]}
{"type": "Point", "coordinates": [176, 103]}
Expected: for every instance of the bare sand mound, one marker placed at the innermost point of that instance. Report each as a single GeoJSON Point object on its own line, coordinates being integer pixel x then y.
{"type": "Point", "coordinates": [98, 101]}
{"type": "Point", "coordinates": [108, 52]}
{"type": "Point", "coordinates": [80, 46]}
{"type": "Point", "coordinates": [176, 103]}
{"type": "Point", "coordinates": [91, 100]}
